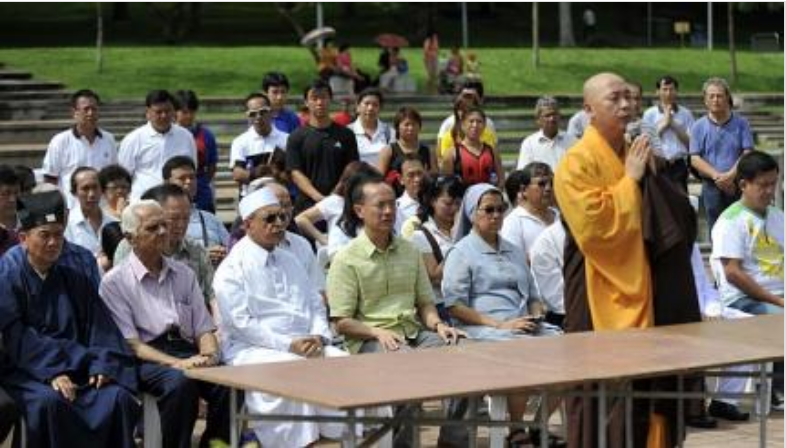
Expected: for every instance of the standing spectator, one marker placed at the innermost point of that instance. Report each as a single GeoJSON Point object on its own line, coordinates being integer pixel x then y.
{"type": "Point", "coordinates": [84, 144]}
{"type": "Point", "coordinates": [9, 221]}
{"type": "Point", "coordinates": [470, 88]}
{"type": "Point", "coordinates": [673, 122]}
{"type": "Point", "coordinates": [252, 152]}
{"type": "Point", "coordinates": [407, 125]}
{"type": "Point", "coordinates": [717, 140]}
{"type": "Point", "coordinates": [472, 158]}
{"type": "Point", "coordinates": [317, 153]}
{"type": "Point", "coordinates": [588, 31]}
{"type": "Point", "coordinates": [276, 86]}
{"type": "Point", "coordinates": [115, 184]}
{"type": "Point", "coordinates": [636, 126]}
{"type": "Point", "coordinates": [549, 144]}
{"type": "Point", "coordinates": [577, 123]}
{"type": "Point", "coordinates": [431, 59]}
{"type": "Point", "coordinates": [87, 219]}
{"type": "Point", "coordinates": [186, 107]}
{"type": "Point", "coordinates": [531, 191]}
{"type": "Point", "coordinates": [146, 149]}
{"type": "Point", "coordinates": [371, 133]}
{"type": "Point", "coordinates": [157, 304]}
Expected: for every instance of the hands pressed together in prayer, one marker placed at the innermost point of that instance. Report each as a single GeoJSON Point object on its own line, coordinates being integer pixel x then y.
{"type": "Point", "coordinates": [64, 385]}
{"type": "Point", "coordinates": [638, 157]}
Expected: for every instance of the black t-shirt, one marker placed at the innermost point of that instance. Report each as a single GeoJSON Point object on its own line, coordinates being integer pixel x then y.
{"type": "Point", "coordinates": [321, 155]}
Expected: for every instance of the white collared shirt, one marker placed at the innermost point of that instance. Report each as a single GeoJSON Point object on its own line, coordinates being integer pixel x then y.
{"type": "Point", "coordinates": [265, 300]}
{"type": "Point", "coordinates": [144, 151]}
{"type": "Point", "coordinates": [671, 144]}
{"type": "Point", "coordinates": [369, 148]}
{"type": "Point", "coordinates": [301, 249]}
{"type": "Point", "coordinates": [79, 231]}
{"type": "Point", "coordinates": [407, 206]}
{"type": "Point", "coordinates": [68, 151]}
{"type": "Point", "coordinates": [251, 143]}
{"type": "Point", "coordinates": [546, 262]}
{"type": "Point", "coordinates": [521, 227]}
{"type": "Point", "coordinates": [539, 148]}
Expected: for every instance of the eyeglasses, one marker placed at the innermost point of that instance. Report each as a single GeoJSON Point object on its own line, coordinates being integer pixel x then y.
{"type": "Point", "coordinates": [258, 113]}
{"type": "Point", "coordinates": [271, 218]}
{"type": "Point", "coordinates": [491, 209]}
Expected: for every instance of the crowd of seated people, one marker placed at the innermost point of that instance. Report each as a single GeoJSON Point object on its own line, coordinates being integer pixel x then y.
{"type": "Point", "coordinates": [347, 240]}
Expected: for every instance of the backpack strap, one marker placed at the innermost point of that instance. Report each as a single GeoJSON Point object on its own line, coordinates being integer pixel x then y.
{"type": "Point", "coordinates": [432, 242]}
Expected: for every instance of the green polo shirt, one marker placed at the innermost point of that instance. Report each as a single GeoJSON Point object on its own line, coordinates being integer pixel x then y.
{"type": "Point", "coordinates": [381, 289]}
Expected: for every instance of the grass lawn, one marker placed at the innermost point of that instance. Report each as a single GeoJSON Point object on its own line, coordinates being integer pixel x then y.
{"type": "Point", "coordinates": [129, 72]}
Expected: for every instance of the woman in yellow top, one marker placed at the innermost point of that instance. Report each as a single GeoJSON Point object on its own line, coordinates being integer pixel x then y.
{"type": "Point", "coordinates": [446, 142]}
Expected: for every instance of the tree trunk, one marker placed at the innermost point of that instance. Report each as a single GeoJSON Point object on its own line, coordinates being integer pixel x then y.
{"type": "Point", "coordinates": [566, 38]}
{"type": "Point", "coordinates": [99, 38]}
{"type": "Point", "coordinates": [535, 36]}
{"type": "Point", "coordinates": [732, 50]}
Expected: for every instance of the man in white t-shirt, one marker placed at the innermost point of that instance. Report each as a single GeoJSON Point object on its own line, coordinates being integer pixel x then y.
{"type": "Point", "coordinates": [412, 173]}
{"type": "Point", "coordinates": [252, 150]}
{"type": "Point", "coordinates": [549, 144]}
{"type": "Point", "coordinates": [146, 149]}
{"type": "Point", "coordinates": [84, 144]}
{"type": "Point", "coordinates": [747, 253]}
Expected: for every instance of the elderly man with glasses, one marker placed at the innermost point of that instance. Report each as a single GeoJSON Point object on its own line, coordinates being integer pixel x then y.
{"type": "Point", "coordinates": [254, 149]}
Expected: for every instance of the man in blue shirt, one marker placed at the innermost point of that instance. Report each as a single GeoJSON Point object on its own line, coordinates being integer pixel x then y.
{"type": "Point", "coordinates": [717, 140]}
{"type": "Point", "coordinates": [276, 86]}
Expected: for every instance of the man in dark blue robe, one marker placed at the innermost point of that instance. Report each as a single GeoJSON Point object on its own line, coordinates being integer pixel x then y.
{"type": "Point", "coordinates": [66, 364]}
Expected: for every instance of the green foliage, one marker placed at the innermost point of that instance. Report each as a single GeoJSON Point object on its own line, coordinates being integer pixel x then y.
{"type": "Point", "coordinates": [129, 72]}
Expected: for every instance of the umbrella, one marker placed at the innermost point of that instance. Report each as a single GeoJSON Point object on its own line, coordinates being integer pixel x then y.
{"type": "Point", "coordinates": [390, 40]}
{"type": "Point", "coordinates": [317, 34]}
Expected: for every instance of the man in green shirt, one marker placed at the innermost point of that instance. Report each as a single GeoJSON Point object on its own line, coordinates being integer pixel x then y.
{"type": "Point", "coordinates": [380, 295]}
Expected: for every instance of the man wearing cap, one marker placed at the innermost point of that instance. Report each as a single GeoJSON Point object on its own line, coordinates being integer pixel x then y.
{"type": "Point", "coordinates": [68, 365]}
{"type": "Point", "coordinates": [253, 149]}
{"type": "Point", "coordinates": [271, 312]}
{"type": "Point", "coordinates": [158, 306]}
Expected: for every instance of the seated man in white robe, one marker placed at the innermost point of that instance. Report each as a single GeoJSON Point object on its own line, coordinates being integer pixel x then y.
{"type": "Point", "coordinates": [271, 312]}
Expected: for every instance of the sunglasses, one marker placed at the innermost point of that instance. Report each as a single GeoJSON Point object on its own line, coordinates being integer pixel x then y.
{"type": "Point", "coordinates": [273, 217]}
{"type": "Point", "coordinates": [258, 113]}
{"type": "Point", "coordinates": [490, 210]}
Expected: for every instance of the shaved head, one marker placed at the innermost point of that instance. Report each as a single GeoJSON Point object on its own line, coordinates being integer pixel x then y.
{"type": "Point", "coordinates": [607, 103]}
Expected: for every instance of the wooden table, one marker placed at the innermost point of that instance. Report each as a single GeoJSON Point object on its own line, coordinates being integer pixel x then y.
{"type": "Point", "coordinates": [499, 368]}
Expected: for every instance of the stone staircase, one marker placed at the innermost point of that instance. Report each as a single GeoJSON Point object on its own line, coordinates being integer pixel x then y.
{"type": "Point", "coordinates": [31, 112]}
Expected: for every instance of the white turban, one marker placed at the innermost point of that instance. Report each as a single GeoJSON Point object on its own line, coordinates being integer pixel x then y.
{"type": "Point", "coordinates": [256, 200]}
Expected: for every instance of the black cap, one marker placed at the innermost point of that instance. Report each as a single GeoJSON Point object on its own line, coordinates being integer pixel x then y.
{"type": "Point", "coordinates": [40, 209]}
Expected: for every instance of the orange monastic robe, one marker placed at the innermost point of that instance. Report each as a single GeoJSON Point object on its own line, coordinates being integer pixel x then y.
{"type": "Point", "coordinates": [602, 207]}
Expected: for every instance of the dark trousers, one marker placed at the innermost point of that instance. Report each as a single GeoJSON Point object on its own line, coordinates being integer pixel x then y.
{"type": "Point", "coordinates": [9, 415]}
{"type": "Point", "coordinates": [178, 398]}
{"type": "Point", "coordinates": [715, 202]}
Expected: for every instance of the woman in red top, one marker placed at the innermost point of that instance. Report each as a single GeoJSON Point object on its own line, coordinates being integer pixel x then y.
{"type": "Point", "coordinates": [474, 161]}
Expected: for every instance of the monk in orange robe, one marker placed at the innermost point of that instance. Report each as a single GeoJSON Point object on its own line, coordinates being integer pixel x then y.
{"type": "Point", "coordinates": [597, 189]}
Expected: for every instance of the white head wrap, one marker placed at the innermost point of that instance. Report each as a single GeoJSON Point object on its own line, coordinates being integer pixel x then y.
{"type": "Point", "coordinates": [256, 200]}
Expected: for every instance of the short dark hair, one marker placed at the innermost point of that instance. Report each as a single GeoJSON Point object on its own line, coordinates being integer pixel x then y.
{"type": "Point", "coordinates": [9, 177]}
{"type": "Point", "coordinates": [521, 178]}
{"type": "Point", "coordinates": [164, 192]}
{"type": "Point", "coordinates": [77, 172]}
{"type": "Point", "coordinates": [274, 79]}
{"type": "Point", "coordinates": [407, 113]}
{"type": "Point", "coordinates": [433, 188]}
{"type": "Point", "coordinates": [475, 85]}
{"type": "Point", "coordinates": [26, 176]}
{"type": "Point", "coordinates": [349, 222]}
{"type": "Point", "coordinates": [667, 79]}
{"type": "Point", "coordinates": [175, 163]}
{"type": "Point", "coordinates": [186, 99]}
{"type": "Point", "coordinates": [371, 91]}
{"type": "Point", "coordinates": [754, 163]}
{"type": "Point", "coordinates": [254, 95]}
{"type": "Point", "coordinates": [158, 97]}
{"type": "Point", "coordinates": [83, 93]}
{"type": "Point", "coordinates": [318, 84]}
{"type": "Point", "coordinates": [111, 173]}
